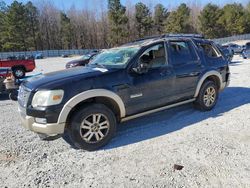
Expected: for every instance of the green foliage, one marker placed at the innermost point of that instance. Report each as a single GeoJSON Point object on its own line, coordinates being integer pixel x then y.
{"type": "Point", "coordinates": [15, 27]}
{"type": "Point", "coordinates": [33, 26]}
{"type": "Point", "coordinates": [118, 21]}
{"type": "Point", "coordinates": [66, 31]}
{"type": "Point", "coordinates": [247, 16]}
{"type": "Point", "coordinates": [23, 27]}
{"type": "Point", "coordinates": [161, 14]}
{"type": "Point", "coordinates": [144, 21]}
{"type": "Point", "coordinates": [19, 27]}
{"type": "Point", "coordinates": [233, 19]}
{"type": "Point", "coordinates": [209, 21]}
{"type": "Point", "coordinates": [2, 17]}
{"type": "Point", "coordinates": [179, 20]}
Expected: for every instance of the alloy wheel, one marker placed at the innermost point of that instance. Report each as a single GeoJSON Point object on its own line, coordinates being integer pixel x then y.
{"type": "Point", "coordinates": [94, 128]}
{"type": "Point", "coordinates": [209, 96]}
{"type": "Point", "coordinates": [19, 73]}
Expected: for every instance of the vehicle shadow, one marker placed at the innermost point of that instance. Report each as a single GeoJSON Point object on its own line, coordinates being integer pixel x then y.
{"type": "Point", "coordinates": [235, 63]}
{"type": "Point", "coordinates": [171, 120]}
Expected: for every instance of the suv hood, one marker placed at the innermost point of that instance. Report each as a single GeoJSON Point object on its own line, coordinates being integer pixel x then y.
{"type": "Point", "coordinates": [34, 83]}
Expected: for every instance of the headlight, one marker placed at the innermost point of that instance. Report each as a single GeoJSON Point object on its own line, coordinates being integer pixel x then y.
{"type": "Point", "coordinates": [74, 64]}
{"type": "Point", "coordinates": [47, 98]}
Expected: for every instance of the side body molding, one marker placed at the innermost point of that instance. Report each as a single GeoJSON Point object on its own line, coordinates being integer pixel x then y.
{"type": "Point", "coordinates": [87, 95]}
{"type": "Point", "coordinates": [203, 78]}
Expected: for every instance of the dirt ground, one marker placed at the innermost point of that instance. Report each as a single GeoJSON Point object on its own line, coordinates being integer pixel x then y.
{"type": "Point", "coordinates": [213, 147]}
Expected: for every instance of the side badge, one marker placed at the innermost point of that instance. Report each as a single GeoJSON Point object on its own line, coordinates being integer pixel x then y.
{"type": "Point", "coordinates": [136, 95]}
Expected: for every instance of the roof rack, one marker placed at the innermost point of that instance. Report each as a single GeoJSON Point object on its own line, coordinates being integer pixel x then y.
{"type": "Point", "coordinates": [170, 35]}
{"type": "Point", "coordinates": [147, 38]}
{"type": "Point", "coordinates": [184, 35]}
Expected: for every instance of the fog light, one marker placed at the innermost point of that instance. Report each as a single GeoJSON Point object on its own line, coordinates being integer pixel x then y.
{"type": "Point", "coordinates": [41, 120]}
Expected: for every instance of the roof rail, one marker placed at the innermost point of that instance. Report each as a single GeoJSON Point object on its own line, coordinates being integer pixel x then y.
{"type": "Point", "coordinates": [184, 35]}
{"type": "Point", "coordinates": [147, 38]}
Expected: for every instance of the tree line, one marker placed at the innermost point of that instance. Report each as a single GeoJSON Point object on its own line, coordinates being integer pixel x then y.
{"type": "Point", "coordinates": [26, 27]}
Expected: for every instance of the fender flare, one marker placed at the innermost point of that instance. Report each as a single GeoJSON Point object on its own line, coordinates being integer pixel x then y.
{"type": "Point", "coordinates": [204, 77]}
{"type": "Point", "coordinates": [87, 95]}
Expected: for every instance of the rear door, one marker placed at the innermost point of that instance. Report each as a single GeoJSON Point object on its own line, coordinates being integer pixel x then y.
{"type": "Point", "coordinates": [186, 65]}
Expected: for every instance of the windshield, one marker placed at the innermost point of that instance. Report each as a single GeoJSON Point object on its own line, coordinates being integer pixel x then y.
{"type": "Point", "coordinates": [115, 57]}
{"type": "Point", "coordinates": [85, 57]}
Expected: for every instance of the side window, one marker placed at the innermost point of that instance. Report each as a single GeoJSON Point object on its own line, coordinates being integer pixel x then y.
{"type": "Point", "coordinates": [210, 51]}
{"type": "Point", "coordinates": [182, 52]}
{"type": "Point", "coordinates": [248, 46]}
{"type": "Point", "coordinates": [155, 56]}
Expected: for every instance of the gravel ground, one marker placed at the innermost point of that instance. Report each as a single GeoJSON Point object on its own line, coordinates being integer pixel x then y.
{"type": "Point", "coordinates": [213, 147]}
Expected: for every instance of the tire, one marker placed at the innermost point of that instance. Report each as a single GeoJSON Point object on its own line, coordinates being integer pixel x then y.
{"type": "Point", "coordinates": [19, 72]}
{"type": "Point", "coordinates": [13, 95]}
{"type": "Point", "coordinates": [207, 97]}
{"type": "Point", "coordinates": [83, 133]}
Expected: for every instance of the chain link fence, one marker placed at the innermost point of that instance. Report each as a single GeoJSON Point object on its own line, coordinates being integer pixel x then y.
{"type": "Point", "coordinates": [232, 38]}
{"type": "Point", "coordinates": [44, 53]}
{"type": "Point", "coordinates": [58, 53]}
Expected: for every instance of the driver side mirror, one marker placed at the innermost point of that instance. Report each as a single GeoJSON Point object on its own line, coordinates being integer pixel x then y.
{"type": "Point", "coordinates": [142, 68]}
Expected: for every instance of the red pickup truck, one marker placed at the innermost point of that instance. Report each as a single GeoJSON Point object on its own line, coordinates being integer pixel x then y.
{"type": "Point", "coordinates": [19, 67]}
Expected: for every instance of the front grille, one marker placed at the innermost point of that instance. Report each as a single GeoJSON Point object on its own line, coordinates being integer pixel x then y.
{"type": "Point", "coordinates": [23, 95]}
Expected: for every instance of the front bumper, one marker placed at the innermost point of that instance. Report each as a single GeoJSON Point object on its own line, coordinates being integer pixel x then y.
{"type": "Point", "coordinates": [49, 129]}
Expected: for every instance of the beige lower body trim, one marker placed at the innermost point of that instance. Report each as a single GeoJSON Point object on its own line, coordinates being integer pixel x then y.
{"type": "Point", "coordinates": [49, 129]}
{"type": "Point", "coordinates": [156, 110]}
{"type": "Point", "coordinates": [204, 77]}
{"type": "Point", "coordinates": [87, 95]}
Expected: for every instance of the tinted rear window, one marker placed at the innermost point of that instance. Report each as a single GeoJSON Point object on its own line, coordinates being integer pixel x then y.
{"type": "Point", "coordinates": [182, 52]}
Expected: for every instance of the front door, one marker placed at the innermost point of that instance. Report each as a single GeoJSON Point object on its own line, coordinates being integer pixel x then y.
{"type": "Point", "coordinates": [153, 88]}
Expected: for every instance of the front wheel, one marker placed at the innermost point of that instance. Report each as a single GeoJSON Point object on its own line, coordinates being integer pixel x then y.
{"type": "Point", "coordinates": [92, 127]}
{"type": "Point", "coordinates": [207, 97]}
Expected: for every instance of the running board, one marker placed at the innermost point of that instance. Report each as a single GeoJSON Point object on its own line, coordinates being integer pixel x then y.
{"type": "Point", "coordinates": [156, 110]}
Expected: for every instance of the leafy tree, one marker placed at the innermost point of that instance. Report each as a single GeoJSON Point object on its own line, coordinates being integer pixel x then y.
{"type": "Point", "coordinates": [33, 26]}
{"type": "Point", "coordinates": [179, 20]}
{"type": "Point", "coordinates": [15, 28]}
{"type": "Point", "coordinates": [233, 19]}
{"type": "Point", "coordinates": [160, 16]}
{"type": "Point", "coordinates": [2, 16]}
{"type": "Point", "coordinates": [66, 31]}
{"type": "Point", "coordinates": [208, 21]}
{"type": "Point", "coordinates": [118, 21]}
{"type": "Point", "coordinates": [144, 21]}
{"type": "Point", "coordinates": [247, 16]}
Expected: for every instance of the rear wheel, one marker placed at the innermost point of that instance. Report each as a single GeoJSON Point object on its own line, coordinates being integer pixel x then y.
{"type": "Point", "coordinates": [207, 97]}
{"type": "Point", "coordinates": [92, 127]}
{"type": "Point", "coordinates": [18, 72]}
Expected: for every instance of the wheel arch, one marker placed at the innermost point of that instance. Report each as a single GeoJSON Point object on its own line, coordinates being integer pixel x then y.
{"type": "Point", "coordinates": [214, 76]}
{"type": "Point", "coordinates": [103, 96]}
{"type": "Point", "coordinates": [18, 66]}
